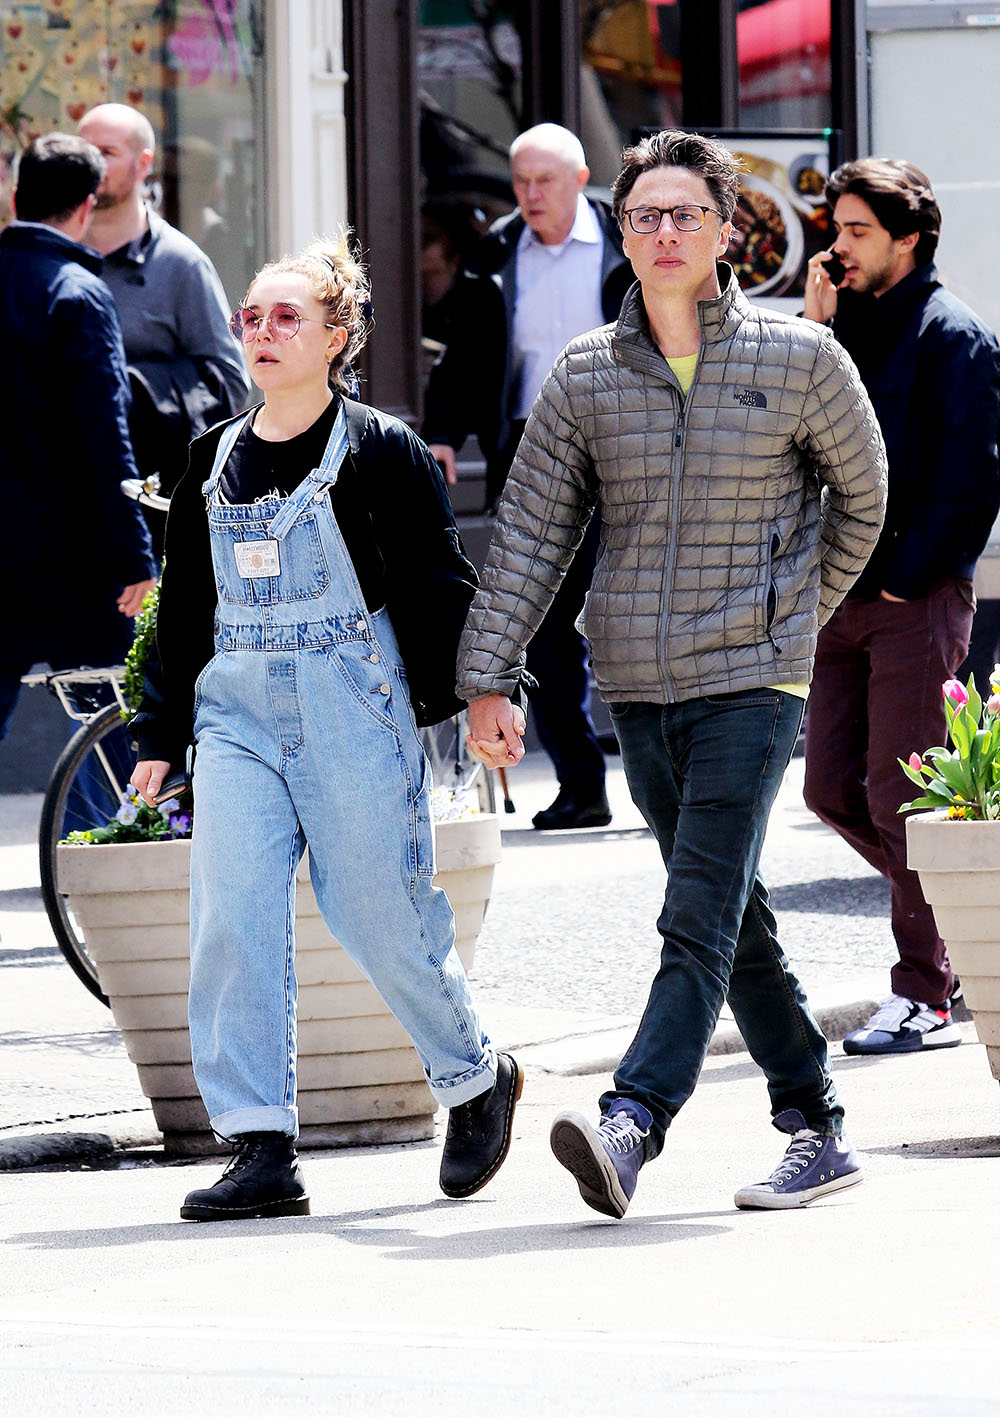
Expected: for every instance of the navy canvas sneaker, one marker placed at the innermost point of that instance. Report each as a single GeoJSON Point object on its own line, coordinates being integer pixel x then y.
{"type": "Point", "coordinates": [901, 1025]}
{"type": "Point", "coordinates": [605, 1159]}
{"type": "Point", "coordinates": [814, 1165]}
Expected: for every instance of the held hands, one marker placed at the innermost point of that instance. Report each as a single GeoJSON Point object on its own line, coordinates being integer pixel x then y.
{"type": "Point", "coordinates": [148, 778]}
{"type": "Point", "coordinates": [820, 293]}
{"type": "Point", "coordinates": [495, 730]}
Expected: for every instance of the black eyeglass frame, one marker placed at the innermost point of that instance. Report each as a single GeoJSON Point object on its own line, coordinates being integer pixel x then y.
{"type": "Point", "coordinates": [669, 211]}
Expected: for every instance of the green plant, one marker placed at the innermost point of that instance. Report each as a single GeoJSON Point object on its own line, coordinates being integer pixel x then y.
{"type": "Point", "coordinates": [135, 821]}
{"type": "Point", "coordinates": [965, 780]}
{"type": "Point", "coordinates": [135, 660]}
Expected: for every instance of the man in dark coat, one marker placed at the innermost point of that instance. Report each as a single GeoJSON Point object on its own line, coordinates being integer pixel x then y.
{"type": "Point", "coordinates": [546, 273]}
{"type": "Point", "coordinates": [932, 371]}
{"type": "Point", "coordinates": [75, 557]}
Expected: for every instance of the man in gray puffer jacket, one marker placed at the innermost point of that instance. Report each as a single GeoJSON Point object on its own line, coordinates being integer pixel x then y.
{"type": "Point", "coordinates": [740, 475]}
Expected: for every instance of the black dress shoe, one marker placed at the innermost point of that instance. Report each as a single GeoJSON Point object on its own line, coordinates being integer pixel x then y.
{"type": "Point", "coordinates": [570, 809]}
{"type": "Point", "coordinates": [479, 1131]}
{"type": "Point", "coordinates": [263, 1179]}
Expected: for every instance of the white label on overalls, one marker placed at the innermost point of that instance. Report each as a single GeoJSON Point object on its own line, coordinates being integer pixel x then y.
{"type": "Point", "coordinates": [257, 558]}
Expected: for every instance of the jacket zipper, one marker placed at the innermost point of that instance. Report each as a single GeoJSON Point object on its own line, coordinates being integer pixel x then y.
{"type": "Point", "coordinates": [670, 563]}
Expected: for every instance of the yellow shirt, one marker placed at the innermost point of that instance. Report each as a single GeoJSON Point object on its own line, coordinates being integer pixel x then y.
{"type": "Point", "coordinates": [683, 367]}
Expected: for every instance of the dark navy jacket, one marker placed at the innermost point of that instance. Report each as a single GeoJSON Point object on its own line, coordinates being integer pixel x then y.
{"type": "Point", "coordinates": [932, 370]}
{"type": "Point", "coordinates": [472, 389]}
{"type": "Point", "coordinates": [69, 538]}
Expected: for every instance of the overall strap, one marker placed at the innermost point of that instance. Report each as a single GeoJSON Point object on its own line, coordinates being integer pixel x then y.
{"type": "Point", "coordinates": [226, 444]}
{"type": "Point", "coordinates": [314, 487]}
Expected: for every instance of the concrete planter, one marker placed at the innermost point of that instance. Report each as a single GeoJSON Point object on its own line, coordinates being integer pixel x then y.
{"type": "Point", "coordinates": [359, 1080]}
{"type": "Point", "coordinates": [959, 868]}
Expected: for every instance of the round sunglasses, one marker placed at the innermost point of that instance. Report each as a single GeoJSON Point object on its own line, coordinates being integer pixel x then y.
{"type": "Point", "coordinates": [282, 323]}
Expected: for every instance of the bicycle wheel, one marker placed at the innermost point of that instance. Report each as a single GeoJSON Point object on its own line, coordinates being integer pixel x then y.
{"type": "Point", "coordinates": [452, 765]}
{"type": "Point", "coordinates": [85, 790]}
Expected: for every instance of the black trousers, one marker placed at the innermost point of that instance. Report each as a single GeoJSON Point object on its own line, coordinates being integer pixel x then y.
{"type": "Point", "coordinates": [558, 657]}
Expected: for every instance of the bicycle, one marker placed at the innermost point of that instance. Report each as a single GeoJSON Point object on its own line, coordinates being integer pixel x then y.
{"type": "Point", "coordinates": [86, 788]}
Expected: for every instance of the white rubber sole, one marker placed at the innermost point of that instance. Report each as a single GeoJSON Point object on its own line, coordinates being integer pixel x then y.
{"type": "Point", "coordinates": [758, 1197]}
{"type": "Point", "coordinates": [576, 1145]}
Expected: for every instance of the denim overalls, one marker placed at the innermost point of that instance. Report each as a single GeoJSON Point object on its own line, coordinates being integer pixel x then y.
{"type": "Point", "coordinates": [305, 735]}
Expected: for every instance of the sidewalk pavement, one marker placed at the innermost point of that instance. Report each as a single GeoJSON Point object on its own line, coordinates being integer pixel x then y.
{"type": "Point", "coordinates": [70, 1096]}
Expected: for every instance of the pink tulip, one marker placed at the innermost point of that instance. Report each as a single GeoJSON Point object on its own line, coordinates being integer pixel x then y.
{"type": "Point", "coordinates": [956, 692]}
{"type": "Point", "coordinates": [993, 703]}
{"type": "Point", "coordinates": [916, 762]}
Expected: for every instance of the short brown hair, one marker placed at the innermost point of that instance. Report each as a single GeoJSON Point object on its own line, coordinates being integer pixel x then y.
{"type": "Point", "coordinates": [898, 193]}
{"type": "Point", "coordinates": [712, 162]}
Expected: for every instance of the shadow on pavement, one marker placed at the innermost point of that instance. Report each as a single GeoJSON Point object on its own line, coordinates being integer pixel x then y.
{"type": "Point", "coordinates": [363, 1228]}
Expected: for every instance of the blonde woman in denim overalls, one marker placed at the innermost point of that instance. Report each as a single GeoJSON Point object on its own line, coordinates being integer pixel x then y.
{"type": "Point", "coordinates": [305, 736]}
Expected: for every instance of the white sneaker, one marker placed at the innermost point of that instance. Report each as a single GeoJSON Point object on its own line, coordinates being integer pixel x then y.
{"type": "Point", "coordinates": [901, 1025]}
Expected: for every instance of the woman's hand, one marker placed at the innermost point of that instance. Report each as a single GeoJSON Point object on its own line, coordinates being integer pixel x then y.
{"type": "Point", "coordinates": [495, 731]}
{"type": "Point", "coordinates": [148, 778]}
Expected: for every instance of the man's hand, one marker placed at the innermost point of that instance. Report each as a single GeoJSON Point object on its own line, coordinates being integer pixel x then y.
{"type": "Point", "coordinates": [495, 729]}
{"type": "Point", "coordinates": [131, 598]}
{"type": "Point", "coordinates": [821, 293]}
{"type": "Point", "coordinates": [445, 455]}
{"type": "Point", "coordinates": [896, 599]}
{"type": "Point", "coordinates": [148, 778]}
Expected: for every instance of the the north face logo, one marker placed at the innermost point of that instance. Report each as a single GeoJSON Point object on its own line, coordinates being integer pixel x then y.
{"type": "Point", "coordinates": [750, 398]}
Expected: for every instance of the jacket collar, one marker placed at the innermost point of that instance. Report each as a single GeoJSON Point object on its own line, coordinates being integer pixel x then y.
{"type": "Point", "coordinates": [915, 286]}
{"type": "Point", "coordinates": [36, 236]}
{"type": "Point", "coordinates": [134, 253]}
{"type": "Point", "coordinates": [718, 318]}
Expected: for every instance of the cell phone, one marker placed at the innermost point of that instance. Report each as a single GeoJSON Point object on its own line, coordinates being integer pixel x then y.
{"type": "Point", "coordinates": [177, 782]}
{"type": "Point", "coordinates": [173, 786]}
{"type": "Point", "coordinates": [834, 268]}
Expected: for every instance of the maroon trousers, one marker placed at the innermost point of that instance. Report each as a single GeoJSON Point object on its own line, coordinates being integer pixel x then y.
{"type": "Point", "coordinates": [876, 697]}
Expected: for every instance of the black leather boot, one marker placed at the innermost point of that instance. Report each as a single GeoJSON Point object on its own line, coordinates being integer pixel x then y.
{"type": "Point", "coordinates": [263, 1179]}
{"type": "Point", "coordinates": [479, 1133]}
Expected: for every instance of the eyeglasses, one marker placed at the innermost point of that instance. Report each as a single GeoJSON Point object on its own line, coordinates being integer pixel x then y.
{"type": "Point", "coordinates": [646, 221]}
{"type": "Point", "coordinates": [282, 322]}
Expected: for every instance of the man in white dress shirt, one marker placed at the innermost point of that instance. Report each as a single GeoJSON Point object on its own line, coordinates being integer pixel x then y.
{"type": "Point", "coordinates": [546, 273]}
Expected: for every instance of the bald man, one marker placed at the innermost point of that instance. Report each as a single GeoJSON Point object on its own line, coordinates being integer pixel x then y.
{"type": "Point", "coordinates": [184, 365]}
{"type": "Point", "coordinates": [546, 273]}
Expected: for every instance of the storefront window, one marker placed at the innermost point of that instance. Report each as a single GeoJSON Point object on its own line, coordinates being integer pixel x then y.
{"type": "Point", "coordinates": [630, 76]}
{"type": "Point", "coordinates": [191, 66]}
{"type": "Point", "coordinates": [469, 86]}
{"type": "Point", "coordinates": [783, 49]}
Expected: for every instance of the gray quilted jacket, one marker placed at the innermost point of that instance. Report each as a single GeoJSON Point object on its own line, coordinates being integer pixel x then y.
{"type": "Point", "coordinates": [733, 520]}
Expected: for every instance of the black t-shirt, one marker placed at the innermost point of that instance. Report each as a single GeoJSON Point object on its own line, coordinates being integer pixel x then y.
{"type": "Point", "coordinates": [256, 468]}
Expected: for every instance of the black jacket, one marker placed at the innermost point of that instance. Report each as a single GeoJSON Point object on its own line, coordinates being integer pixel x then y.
{"type": "Point", "coordinates": [394, 513]}
{"type": "Point", "coordinates": [471, 389]}
{"type": "Point", "coordinates": [69, 539]}
{"type": "Point", "coordinates": [932, 371]}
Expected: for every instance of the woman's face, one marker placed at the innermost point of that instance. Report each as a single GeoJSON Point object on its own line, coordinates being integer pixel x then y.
{"type": "Point", "coordinates": [283, 364]}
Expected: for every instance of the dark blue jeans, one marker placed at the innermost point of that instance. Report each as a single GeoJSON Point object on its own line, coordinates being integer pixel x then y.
{"type": "Point", "coordinates": [704, 774]}
{"type": "Point", "coordinates": [558, 656]}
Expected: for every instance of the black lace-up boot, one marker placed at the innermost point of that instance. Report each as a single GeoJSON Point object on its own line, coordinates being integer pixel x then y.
{"type": "Point", "coordinates": [263, 1179]}
{"type": "Point", "coordinates": [479, 1133]}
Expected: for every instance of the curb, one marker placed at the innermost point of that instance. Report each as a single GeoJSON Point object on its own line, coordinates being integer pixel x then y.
{"type": "Point", "coordinates": [61, 1148]}
{"type": "Point", "coordinates": [574, 1055]}
{"type": "Point", "coordinates": [601, 1052]}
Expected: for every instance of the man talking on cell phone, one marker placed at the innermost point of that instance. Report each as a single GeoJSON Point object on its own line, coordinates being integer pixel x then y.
{"type": "Point", "coordinates": [932, 371]}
